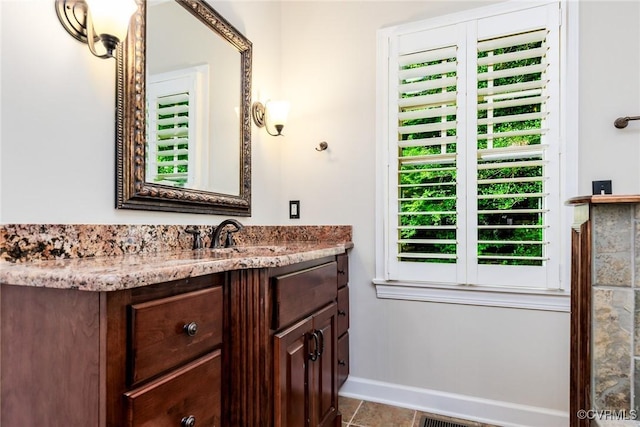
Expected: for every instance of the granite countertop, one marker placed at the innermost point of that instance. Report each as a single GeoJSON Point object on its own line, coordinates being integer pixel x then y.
{"type": "Point", "coordinates": [111, 273]}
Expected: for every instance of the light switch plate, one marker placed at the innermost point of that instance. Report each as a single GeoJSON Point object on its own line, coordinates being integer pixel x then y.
{"type": "Point", "coordinates": [294, 209]}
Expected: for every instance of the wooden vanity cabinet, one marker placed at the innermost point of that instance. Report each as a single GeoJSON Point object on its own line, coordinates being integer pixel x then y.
{"type": "Point", "coordinates": [250, 347]}
{"type": "Point", "coordinates": [121, 358]}
{"type": "Point", "coordinates": [343, 318]}
{"type": "Point", "coordinates": [305, 354]}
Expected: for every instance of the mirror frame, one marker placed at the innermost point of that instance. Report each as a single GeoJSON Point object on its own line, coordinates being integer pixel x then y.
{"type": "Point", "coordinates": [132, 190]}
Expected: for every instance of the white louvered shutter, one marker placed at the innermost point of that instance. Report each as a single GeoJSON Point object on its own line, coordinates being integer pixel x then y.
{"type": "Point", "coordinates": [172, 147]}
{"type": "Point", "coordinates": [516, 142]}
{"type": "Point", "coordinates": [428, 89]}
{"type": "Point", "coordinates": [474, 195]}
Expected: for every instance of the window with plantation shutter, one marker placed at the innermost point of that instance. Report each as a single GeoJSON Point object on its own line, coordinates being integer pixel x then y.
{"type": "Point", "coordinates": [175, 133]}
{"type": "Point", "coordinates": [471, 150]}
{"type": "Point", "coordinates": [169, 156]}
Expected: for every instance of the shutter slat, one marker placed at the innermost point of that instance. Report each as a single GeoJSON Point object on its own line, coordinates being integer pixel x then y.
{"type": "Point", "coordinates": [503, 257]}
{"type": "Point", "coordinates": [510, 134]}
{"type": "Point", "coordinates": [513, 40]}
{"type": "Point", "coordinates": [427, 113]}
{"type": "Point", "coordinates": [512, 72]}
{"type": "Point", "coordinates": [410, 88]}
{"type": "Point", "coordinates": [172, 110]}
{"type": "Point", "coordinates": [428, 159]}
{"type": "Point", "coordinates": [510, 196]}
{"type": "Point", "coordinates": [513, 56]}
{"type": "Point", "coordinates": [427, 100]}
{"type": "Point", "coordinates": [512, 211]}
{"type": "Point", "coordinates": [513, 118]}
{"type": "Point", "coordinates": [171, 142]}
{"type": "Point", "coordinates": [514, 88]}
{"type": "Point", "coordinates": [433, 55]}
{"type": "Point", "coordinates": [510, 180]}
{"type": "Point", "coordinates": [428, 213]}
{"type": "Point", "coordinates": [177, 98]}
{"type": "Point", "coordinates": [523, 164]}
{"type": "Point", "coordinates": [427, 142]}
{"type": "Point", "coordinates": [440, 126]}
{"type": "Point", "coordinates": [409, 74]}
{"type": "Point", "coordinates": [426, 255]}
{"type": "Point", "coordinates": [512, 103]}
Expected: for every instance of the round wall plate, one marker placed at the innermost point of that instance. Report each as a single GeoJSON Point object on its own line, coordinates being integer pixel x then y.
{"type": "Point", "coordinates": [73, 17]}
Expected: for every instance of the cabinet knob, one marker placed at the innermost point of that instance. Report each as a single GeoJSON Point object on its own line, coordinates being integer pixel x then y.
{"type": "Point", "coordinates": [342, 313]}
{"type": "Point", "coordinates": [189, 421]}
{"type": "Point", "coordinates": [191, 328]}
{"type": "Point", "coordinates": [342, 363]}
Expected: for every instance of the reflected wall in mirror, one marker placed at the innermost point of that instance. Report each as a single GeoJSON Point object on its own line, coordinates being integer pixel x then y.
{"type": "Point", "coordinates": [184, 95]}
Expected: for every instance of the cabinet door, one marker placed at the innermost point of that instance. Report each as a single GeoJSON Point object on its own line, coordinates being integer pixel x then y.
{"type": "Point", "coordinates": [291, 356]}
{"type": "Point", "coordinates": [323, 393]}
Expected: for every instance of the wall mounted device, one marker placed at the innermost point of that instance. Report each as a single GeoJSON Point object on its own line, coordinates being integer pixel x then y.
{"type": "Point", "coordinates": [622, 122]}
{"type": "Point", "coordinates": [97, 22]}
{"type": "Point", "coordinates": [294, 209]}
{"type": "Point", "coordinates": [322, 146]}
{"type": "Point", "coordinates": [601, 187]}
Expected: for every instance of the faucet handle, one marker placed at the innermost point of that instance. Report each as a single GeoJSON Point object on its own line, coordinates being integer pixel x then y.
{"type": "Point", "coordinates": [229, 240]}
{"type": "Point", "coordinates": [197, 237]}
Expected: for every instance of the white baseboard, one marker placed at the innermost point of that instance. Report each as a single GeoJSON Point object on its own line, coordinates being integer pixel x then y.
{"type": "Point", "coordinates": [494, 412]}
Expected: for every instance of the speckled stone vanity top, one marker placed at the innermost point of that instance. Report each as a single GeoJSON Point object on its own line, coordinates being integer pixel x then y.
{"type": "Point", "coordinates": [108, 258]}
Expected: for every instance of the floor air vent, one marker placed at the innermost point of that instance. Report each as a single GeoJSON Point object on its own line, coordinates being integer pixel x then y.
{"type": "Point", "coordinates": [430, 422]}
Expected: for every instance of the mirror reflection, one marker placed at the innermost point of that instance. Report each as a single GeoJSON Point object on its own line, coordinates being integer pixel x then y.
{"type": "Point", "coordinates": [193, 103]}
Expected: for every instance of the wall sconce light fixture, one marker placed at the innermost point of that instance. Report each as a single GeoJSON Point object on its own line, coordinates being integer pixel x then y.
{"type": "Point", "coordinates": [271, 113]}
{"type": "Point", "coordinates": [104, 22]}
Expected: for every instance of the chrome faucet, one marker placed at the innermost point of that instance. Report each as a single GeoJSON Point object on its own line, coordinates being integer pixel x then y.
{"type": "Point", "coordinates": [215, 236]}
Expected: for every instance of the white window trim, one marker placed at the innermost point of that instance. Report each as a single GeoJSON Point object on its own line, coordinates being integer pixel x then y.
{"type": "Point", "coordinates": [535, 299]}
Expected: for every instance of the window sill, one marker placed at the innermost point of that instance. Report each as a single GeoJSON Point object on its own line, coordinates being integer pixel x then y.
{"type": "Point", "coordinates": [474, 295]}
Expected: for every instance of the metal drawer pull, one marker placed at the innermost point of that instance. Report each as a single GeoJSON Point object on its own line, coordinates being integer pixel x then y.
{"type": "Point", "coordinates": [342, 363]}
{"type": "Point", "coordinates": [189, 421]}
{"type": "Point", "coordinates": [342, 313]}
{"type": "Point", "coordinates": [191, 328]}
{"type": "Point", "coordinates": [314, 356]}
{"type": "Point", "coordinates": [321, 342]}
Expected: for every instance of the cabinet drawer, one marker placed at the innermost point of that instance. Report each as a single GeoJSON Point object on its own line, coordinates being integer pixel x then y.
{"type": "Point", "coordinates": [167, 332]}
{"type": "Point", "coordinates": [343, 358]}
{"type": "Point", "coordinates": [343, 269]}
{"type": "Point", "coordinates": [300, 293]}
{"type": "Point", "coordinates": [191, 391]}
{"type": "Point", "coordinates": [343, 310]}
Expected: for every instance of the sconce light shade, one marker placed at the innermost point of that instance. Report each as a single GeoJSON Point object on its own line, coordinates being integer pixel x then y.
{"type": "Point", "coordinates": [272, 113]}
{"type": "Point", "coordinates": [91, 21]}
{"type": "Point", "coordinates": [111, 17]}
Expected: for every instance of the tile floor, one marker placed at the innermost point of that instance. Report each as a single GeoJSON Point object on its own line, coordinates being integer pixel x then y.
{"type": "Point", "coordinates": [361, 413]}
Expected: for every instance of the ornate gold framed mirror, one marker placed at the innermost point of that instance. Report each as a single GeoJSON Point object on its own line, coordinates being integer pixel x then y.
{"type": "Point", "coordinates": [183, 112]}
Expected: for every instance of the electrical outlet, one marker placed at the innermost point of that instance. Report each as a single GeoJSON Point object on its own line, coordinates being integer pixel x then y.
{"type": "Point", "coordinates": [601, 187]}
{"type": "Point", "coordinates": [294, 209]}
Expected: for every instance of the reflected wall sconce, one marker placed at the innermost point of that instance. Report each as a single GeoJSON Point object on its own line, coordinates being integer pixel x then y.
{"type": "Point", "coordinates": [271, 113]}
{"type": "Point", "coordinates": [97, 22]}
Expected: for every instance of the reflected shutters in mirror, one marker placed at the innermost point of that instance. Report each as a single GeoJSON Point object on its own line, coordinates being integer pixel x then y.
{"type": "Point", "coordinates": [176, 128]}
